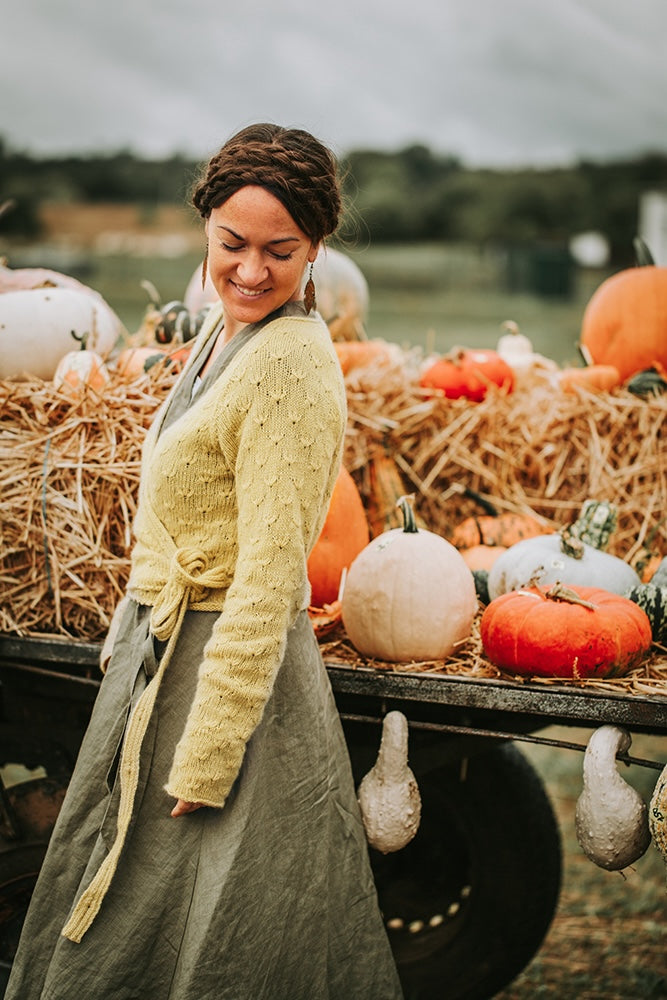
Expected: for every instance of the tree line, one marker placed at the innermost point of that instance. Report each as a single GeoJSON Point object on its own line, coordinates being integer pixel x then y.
{"type": "Point", "coordinates": [412, 194]}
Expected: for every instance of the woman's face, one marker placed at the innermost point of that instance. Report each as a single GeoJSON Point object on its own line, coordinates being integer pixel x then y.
{"type": "Point", "coordinates": [256, 256]}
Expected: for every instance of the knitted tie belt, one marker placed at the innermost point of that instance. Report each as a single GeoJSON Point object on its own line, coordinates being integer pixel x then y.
{"type": "Point", "coordinates": [188, 580]}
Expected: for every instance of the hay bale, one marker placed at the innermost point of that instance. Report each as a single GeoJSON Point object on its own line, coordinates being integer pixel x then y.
{"type": "Point", "coordinates": [69, 474]}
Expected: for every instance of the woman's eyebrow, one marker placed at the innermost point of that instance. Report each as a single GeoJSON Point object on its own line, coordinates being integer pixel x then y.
{"type": "Point", "coordinates": [283, 239]}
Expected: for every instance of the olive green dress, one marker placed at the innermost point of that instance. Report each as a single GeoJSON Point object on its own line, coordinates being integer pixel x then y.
{"type": "Point", "coordinates": [268, 898]}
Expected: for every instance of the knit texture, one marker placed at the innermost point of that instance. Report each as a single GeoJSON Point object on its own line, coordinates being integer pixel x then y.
{"type": "Point", "coordinates": [233, 497]}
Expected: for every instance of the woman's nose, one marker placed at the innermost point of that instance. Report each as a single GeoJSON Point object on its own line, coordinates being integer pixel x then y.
{"type": "Point", "coordinates": [252, 269]}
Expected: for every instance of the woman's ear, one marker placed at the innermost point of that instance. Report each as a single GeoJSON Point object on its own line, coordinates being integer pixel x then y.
{"type": "Point", "coordinates": [313, 252]}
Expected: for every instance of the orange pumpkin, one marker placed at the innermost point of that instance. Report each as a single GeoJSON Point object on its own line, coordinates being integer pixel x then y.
{"type": "Point", "coordinates": [359, 353]}
{"type": "Point", "coordinates": [501, 529]}
{"type": "Point", "coordinates": [625, 321]}
{"type": "Point", "coordinates": [133, 362]}
{"type": "Point", "coordinates": [595, 378]}
{"type": "Point", "coordinates": [344, 534]}
{"type": "Point", "coordinates": [481, 556]}
{"type": "Point", "coordinates": [79, 370]}
{"type": "Point", "coordinates": [468, 373]}
{"type": "Point", "coordinates": [573, 632]}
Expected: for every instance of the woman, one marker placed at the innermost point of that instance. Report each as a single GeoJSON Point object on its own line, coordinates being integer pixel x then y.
{"type": "Point", "coordinates": [210, 846]}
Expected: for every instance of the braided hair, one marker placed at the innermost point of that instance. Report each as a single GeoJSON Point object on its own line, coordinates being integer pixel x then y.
{"type": "Point", "coordinates": [290, 163]}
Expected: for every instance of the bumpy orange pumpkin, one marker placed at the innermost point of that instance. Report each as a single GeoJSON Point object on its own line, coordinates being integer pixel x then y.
{"type": "Point", "coordinates": [572, 632]}
{"type": "Point", "coordinates": [625, 321]}
{"type": "Point", "coordinates": [468, 373]}
{"type": "Point", "coordinates": [501, 529]}
{"type": "Point", "coordinates": [343, 536]}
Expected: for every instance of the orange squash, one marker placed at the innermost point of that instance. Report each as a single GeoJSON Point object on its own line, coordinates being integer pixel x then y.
{"type": "Point", "coordinates": [595, 378]}
{"type": "Point", "coordinates": [344, 534]}
{"type": "Point", "coordinates": [359, 353]}
{"type": "Point", "coordinates": [625, 321]}
{"type": "Point", "coordinates": [133, 362]}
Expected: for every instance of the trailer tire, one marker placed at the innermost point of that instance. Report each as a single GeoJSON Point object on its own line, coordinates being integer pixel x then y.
{"type": "Point", "coordinates": [468, 902]}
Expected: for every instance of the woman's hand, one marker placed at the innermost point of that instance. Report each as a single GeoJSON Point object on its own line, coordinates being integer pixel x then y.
{"type": "Point", "coordinates": [181, 807]}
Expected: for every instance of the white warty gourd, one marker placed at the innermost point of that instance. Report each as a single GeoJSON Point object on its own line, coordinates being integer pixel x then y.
{"type": "Point", "coordinates": [388, 795]}
{"type": "Point", "coordinates": [610, 817]}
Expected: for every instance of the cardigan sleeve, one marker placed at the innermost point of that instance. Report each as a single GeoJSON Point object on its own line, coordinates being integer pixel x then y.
{"type": "Point", "coordinates": [288, 447]}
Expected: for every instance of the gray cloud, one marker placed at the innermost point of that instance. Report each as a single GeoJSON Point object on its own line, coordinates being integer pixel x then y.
{"type": "Point", "coordinates": [525, 81]}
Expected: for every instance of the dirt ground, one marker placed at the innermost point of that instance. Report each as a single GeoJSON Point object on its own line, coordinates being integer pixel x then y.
{"type": "Point", "coordinates": [608, 940]}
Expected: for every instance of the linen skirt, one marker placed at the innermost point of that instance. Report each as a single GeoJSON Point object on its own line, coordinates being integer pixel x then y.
{"type": "Point", "coordinates": [268, 898]}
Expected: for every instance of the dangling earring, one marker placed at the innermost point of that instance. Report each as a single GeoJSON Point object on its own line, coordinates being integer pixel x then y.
{"type": "Point", "coordinates": [309, 291]}
{"type": "Point", "coordinates": [204, 268]}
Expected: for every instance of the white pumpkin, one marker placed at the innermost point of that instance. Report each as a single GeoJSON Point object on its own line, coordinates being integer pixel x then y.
{"type": "Point", "coordinates": [552, 559]}
{"type": "Point", "coordinates": [408, 595]}
{"type": "Point", "coordinates": [39, 326]}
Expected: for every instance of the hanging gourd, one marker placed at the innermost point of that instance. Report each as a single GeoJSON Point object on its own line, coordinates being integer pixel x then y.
{"type": "Point", "coordinates": [408, 595]}
{"type": "Point", "coordinates": [610, 815]}
{"type": "Point", "coordinates": [569, 632]}
{"type": "Point", "coordinates": [657, 814]}
{"type": "Point", "coordinates": [625, 321]}
{"type": "Point", "coordinates": [344, 534]}
{"type": "Point", "coordinates": [388, 795]}
{"type": "Point", "coordinates": [468, 373]}
{"type": "Point", "coordinates": [652, 598]}
{"type": "Point", "coordinates": [81, 370]}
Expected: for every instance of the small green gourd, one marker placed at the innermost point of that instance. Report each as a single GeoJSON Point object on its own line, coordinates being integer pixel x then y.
{"type": "Point", "coordinates": [652, 598]}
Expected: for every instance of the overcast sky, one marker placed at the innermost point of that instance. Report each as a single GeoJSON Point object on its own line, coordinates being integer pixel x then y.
{"type": "Point", "coordinates": [494, 82]}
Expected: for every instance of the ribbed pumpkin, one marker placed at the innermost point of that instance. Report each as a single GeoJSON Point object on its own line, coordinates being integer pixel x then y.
{"type": "Point", "coordinates": [468, 373]}
{"type": "Point", "coordinates": [569, 632]}
{"type": "Point", "coordinates": [408, 595]}
{"type": "Point", "coordinates": [344, 534]}
{"type": "Point", "coordinates": [625, 321]}
{"type": "Point", "coordinates": [501, 529]}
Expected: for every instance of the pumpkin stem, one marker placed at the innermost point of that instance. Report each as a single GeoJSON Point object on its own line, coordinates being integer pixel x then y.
{"type": "Point", "coordinates": [559, 592]}
{"type": "Point", "coordinates": [643, 255]}
{"type": "Point", "coordinates": [409, 523]}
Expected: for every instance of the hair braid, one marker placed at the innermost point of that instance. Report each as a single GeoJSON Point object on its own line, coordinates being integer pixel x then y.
{"type": "Point", "coordinates": [290, 163]}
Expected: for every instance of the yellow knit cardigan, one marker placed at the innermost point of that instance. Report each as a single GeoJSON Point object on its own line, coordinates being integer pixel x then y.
{"type": "Point", "coordinates": [232, 499]}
